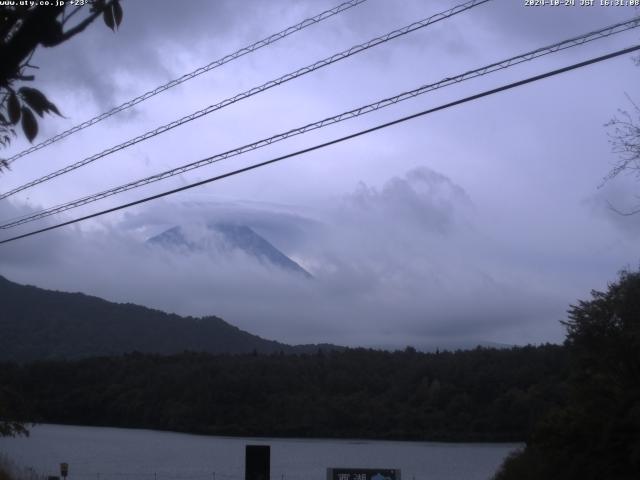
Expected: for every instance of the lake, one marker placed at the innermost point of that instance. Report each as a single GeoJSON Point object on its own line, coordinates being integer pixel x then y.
{"type": "Point", "coordinates": [121, 454]}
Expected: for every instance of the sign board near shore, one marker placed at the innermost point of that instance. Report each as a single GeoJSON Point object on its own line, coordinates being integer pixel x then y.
{"type": "Point", "coordinates": [257, 462]}
{"type": "Point", "coordinates": [363, 474]}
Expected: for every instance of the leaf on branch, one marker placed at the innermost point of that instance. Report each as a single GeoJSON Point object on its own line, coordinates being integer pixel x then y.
{"type": "Point", "coordinates": [108, 18]}
{"type": "Point", "coordinates": [35, 99]}
{"type": "Point", "coordinates": [54, 109]}
{"type": "Point", "coordinates": [13, 107]}
{"type": "Point", "coordinates": [38, 101]}
{"type": "Point", "coordinates": [117, 12]}
{"type": "Point", "coordinates": [112, 15]}
{"type": "Point", "coordinates": [29, 124]}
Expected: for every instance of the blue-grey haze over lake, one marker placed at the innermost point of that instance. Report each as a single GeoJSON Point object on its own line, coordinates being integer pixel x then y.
{"type": "Point", "coordinates": [96, 453]}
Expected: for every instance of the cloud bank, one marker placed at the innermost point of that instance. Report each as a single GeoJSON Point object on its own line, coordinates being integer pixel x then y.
{"type": "Point", "coordinates": [402, 263]}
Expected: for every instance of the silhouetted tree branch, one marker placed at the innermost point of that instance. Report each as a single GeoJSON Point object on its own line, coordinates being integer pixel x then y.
{"type": "Point", "coordinates": [624, 137]}
{"type": "Point", "coordinates": [22, 30]}
{"type": "Point", "coordinates": [625, 140]}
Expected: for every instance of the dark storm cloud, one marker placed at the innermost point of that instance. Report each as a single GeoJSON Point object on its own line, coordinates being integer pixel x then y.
{"type": "Point", "coordinates": [147, 45]}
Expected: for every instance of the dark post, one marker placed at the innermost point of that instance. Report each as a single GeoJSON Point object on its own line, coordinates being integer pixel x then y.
{"type": "Point", "coordinates": [257, 464]}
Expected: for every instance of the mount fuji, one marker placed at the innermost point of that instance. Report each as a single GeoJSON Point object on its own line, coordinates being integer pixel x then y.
{"type": "Point", "coordinates": [225, 238]}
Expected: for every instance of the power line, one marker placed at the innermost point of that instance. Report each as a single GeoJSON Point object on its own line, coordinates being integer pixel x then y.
{"type": "Point", "coordinates": [255, 90]}
{"type": "Point", "coordinates": [333, 142]}
{"type": "Point", "coordinates": [215, 64]}
{"type": "Point", "coordinates": [569, 43]}
{"type": "Point", "coordinates": [607, 31]}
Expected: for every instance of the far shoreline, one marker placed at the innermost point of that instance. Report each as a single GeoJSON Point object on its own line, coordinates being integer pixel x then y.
{"type": "Point", "coordinates": [260, 438]}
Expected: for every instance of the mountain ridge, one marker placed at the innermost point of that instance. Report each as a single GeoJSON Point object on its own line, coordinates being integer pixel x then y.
{"type": "Point", "coordinates": [39, 324]}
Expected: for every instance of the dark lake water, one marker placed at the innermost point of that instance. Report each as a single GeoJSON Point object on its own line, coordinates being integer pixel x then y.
{"type": "Point", "coordinates": [124, 454]}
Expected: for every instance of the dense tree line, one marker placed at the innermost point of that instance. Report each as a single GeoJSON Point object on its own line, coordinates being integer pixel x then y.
{"type": "Point", "coordinates": [481, 394]}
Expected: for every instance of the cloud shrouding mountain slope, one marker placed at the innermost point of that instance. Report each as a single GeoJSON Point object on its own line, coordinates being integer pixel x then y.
{"type": "Point", "coordinates": [415, 260]}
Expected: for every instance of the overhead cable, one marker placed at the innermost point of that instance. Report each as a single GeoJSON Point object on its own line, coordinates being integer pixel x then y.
{"type": "Point", "coordinates": [188, 76]}
{"type": "Point", "coordinates": [253, 91]}
{"type": "Point", "coordinates": [332, 142]}
{"type": "Point", "coordinates": [503, 64]}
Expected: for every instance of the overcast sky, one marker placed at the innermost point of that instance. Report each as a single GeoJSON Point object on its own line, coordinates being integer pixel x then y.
{"type": "Point", "coordinates": [480, 223]}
